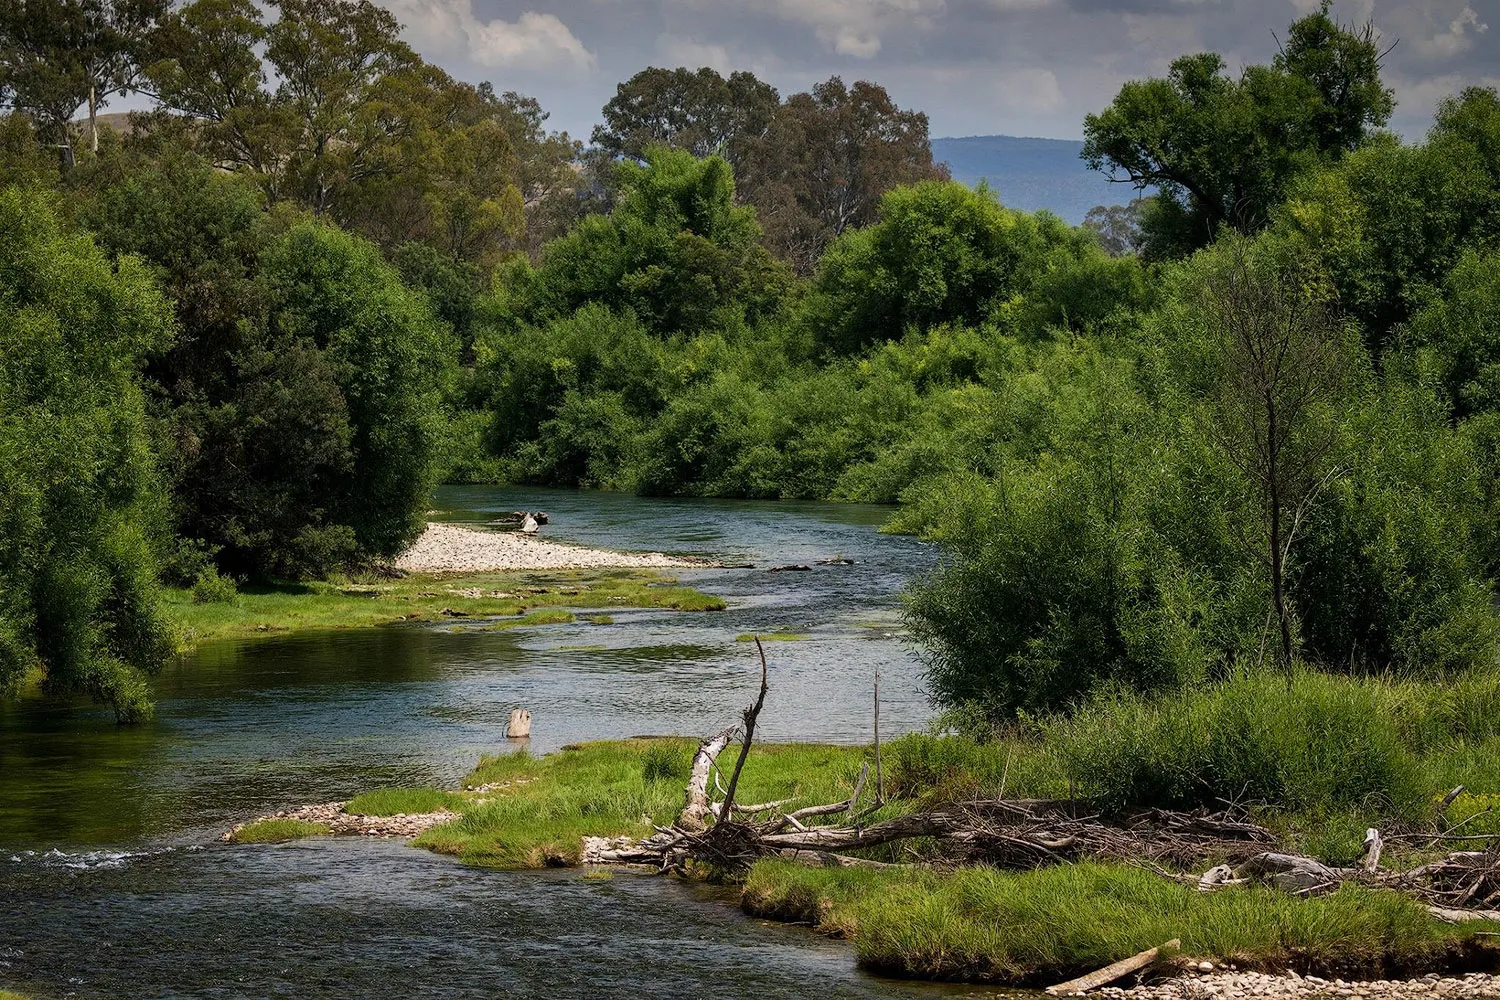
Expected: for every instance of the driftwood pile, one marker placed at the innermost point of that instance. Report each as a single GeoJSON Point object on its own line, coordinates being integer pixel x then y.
{"type": "Point", "coordinates": [727, 836]}
{"type": "Point", "coordinates": [1462, 886]}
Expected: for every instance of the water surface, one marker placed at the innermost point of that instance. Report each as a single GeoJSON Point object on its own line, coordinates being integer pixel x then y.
{"type": "Point", "coordinates": [112, 882]}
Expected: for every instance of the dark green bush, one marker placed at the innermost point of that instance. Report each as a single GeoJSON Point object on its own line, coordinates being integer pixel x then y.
{"type": "Point", "coordinates": [1308, 742]}
{"type": "Point", "coordinates": [211, 588]}
{"type": "Point", "coordinates": [81, 510]}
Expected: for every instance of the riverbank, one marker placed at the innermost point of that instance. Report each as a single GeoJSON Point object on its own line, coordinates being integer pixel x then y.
{"type": "Point", "coordinates": [914, 914]}
{"type": "Point", "coordinates": [477, 600]}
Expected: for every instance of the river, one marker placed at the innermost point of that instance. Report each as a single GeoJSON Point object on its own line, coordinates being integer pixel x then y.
{"type": "Point", "coordinates": [113, 882]}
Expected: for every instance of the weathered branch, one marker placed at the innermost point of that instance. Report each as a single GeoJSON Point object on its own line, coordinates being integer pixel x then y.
{"type": "Point", "coordinates": [726, 809]}
{"type": "Point", "coordinates": [695, 807]}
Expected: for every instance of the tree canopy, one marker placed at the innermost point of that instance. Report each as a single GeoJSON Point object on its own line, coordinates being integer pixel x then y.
{"type": "Point", "coordinates": [1222, 150]}
{"type": "Point", "coordinates": [79, 492]}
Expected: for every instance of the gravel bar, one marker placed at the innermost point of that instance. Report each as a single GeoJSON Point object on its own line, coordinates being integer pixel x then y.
{"type": "Point", "coordinates": [452, 548]}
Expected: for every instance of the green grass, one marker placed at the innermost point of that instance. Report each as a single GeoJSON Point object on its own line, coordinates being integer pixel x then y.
{"type": "Point", "coordinates": [1040, 927]}
{"type": "Point", "coordinates": [277, 831]}
{"type": "Point", "coordinates": [551, 616]}
{"type": "Point", "coordinates": [599, 619]}
{"type": "Point", "coordinates": [610, 789]}
{"type": "Point", "coordinates": [320, 605]}
{"type": "Point", "coordinates": [770, 636]}
{"type": "Point", "coordinates": [403, 801]}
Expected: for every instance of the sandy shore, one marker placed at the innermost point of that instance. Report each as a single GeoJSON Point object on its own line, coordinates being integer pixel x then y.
{"type": "Point", "coordinates": [452, 548]}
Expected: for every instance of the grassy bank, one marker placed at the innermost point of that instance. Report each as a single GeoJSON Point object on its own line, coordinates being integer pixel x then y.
{"type": "Point", "coordinates": [257, 610]}
{"type": "Point", "coordinates": [1315, 758]}
{"type": "Point", "coordinates": [537, 810]}
{"type": "Point", "coordinates": [1041, 927]}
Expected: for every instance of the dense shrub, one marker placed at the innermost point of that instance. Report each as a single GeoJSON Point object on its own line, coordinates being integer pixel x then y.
{"type": "Point", "coordinates": [390, 359]}
{"type": "Point", "coordinates": [81, 511]}
{"type": "Point", "coordinates": [1310, 741]}
{"type": "Point", "coordinates": [676, 251]}
{"type": "Point", "coordinates": [942, 253]}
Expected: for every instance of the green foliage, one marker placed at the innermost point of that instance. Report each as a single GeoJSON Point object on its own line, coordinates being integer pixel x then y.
{"type": "Point", "coordinates": [943, 254]}
{"type": "Point", "coordinates": [1092, 555]}
{"type": "Point", "coordinates": [81, 502]}
{"type": "Point", "coordinates": [1391, 221]}
{"type": "Point", "coordinates": [1222, 151]}
{"type": "Point", "coordinates": [212, 588]}
{"type": "Point", "coordinates": [676, 252]}
{"type": "Point", "coordinates": [390, 360]}
{"type": "Point", "coordinates": [980, 924]}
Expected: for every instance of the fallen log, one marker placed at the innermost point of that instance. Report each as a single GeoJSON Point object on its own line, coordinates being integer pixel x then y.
{"type": "Point", "coordinates": [1453, 916]}
{"type": "Point", "coordinates": [1292, 872]}
{"type": "Point", "coordinates": [1108, 974]}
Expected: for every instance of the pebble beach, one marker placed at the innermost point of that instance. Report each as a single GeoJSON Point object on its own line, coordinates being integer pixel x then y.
{"type": "Point", "coordinates": [453, 548]}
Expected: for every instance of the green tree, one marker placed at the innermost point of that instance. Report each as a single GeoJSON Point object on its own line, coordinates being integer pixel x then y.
{"type": "Point", "coordinates": [699, 111]}
{"type": "Point", "coordinates": [676, 251]}
{"type": "Point", "coordinates": [81, 511]}
{"type": "Point", "coordinates": [391, 360]}
{"type": "Point", "coordinates": [1262, 345]}
{"type": "Point", "coordinates": [940, 253]}
{"type": "Point", "coordinates": [1391, 221]}
{"type": "Point", "coordinates": [1222, 150]}
{"type": "Point", "coordinates": [59, 55]}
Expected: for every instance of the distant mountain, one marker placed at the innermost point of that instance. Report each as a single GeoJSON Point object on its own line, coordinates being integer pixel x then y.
{"type": "Point", "coordinates": [1032, 174]}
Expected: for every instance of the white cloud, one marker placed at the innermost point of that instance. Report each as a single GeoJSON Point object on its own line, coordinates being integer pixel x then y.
{"type": "Point", "coordinates": [678, 51]}
{"type": "Point", "coordinates": [1458, 38]}
{"type": "Point", "coordinates": [532, 41]}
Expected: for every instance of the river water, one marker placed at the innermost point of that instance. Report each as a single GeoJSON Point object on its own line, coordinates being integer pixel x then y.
{"type": "Point", "coordinates": [113, 882]}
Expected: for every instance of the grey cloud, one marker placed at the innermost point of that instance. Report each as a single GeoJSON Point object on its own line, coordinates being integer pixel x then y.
{"type": "Point", "coordinates": [975, 66]}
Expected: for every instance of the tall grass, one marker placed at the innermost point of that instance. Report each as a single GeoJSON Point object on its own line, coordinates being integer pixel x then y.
{"type": "Point", "coordinates": [545, 806]}
{"type": "Point", "coordinates": [403, 801]}
{"type": "Point", "coordinates": [984, 925]}
{"type": "Point", "coordinates": [1304, 742]}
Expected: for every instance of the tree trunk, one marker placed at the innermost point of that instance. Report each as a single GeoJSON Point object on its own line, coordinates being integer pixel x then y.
{"type": "Point", "coordinates": [94, 119]}
{"type": "Point", "coordinates": [1278, 569]}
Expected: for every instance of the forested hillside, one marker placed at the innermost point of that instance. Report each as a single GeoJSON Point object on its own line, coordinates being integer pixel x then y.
{"type": "Point", "coordinates": [246, 336]}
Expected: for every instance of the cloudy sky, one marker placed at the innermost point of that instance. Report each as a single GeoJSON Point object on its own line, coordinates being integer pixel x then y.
{"type": "Point", "coordinates": [1020, 67]}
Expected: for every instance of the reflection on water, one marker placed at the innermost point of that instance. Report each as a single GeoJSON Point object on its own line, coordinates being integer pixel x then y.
{"type": "Point", "coordinates": [247, 726]}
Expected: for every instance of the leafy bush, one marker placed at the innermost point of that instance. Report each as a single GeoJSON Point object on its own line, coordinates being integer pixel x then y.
{"type": "Point", "coordinates": [82, 515]}
{"type": "Point", "coordinates": [212, 588]}
{"type": "Point", "coordinates": [1305, 742]}
{"type": "Point", "coordinates": [676, 252]}
{"type": "Point", "coordinates": [942, 253]}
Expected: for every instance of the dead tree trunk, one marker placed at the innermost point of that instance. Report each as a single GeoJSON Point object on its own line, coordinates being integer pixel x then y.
{"type": "Point", "coordinates": [695, 808]}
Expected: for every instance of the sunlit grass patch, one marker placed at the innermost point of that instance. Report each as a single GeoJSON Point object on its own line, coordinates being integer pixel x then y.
{"type": "Point", "coordinates": [979, 924]}
{"type": "Point", "coordinates": [403, 801]}
{"type": "Point", "coordinates": [551, 616]}
{"type": "Point", "coordinates": [340, 604]}
{"type": "Point", "coordinates": [276, 831]}
{"type": "Point", "coordinates": [547, 805]}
